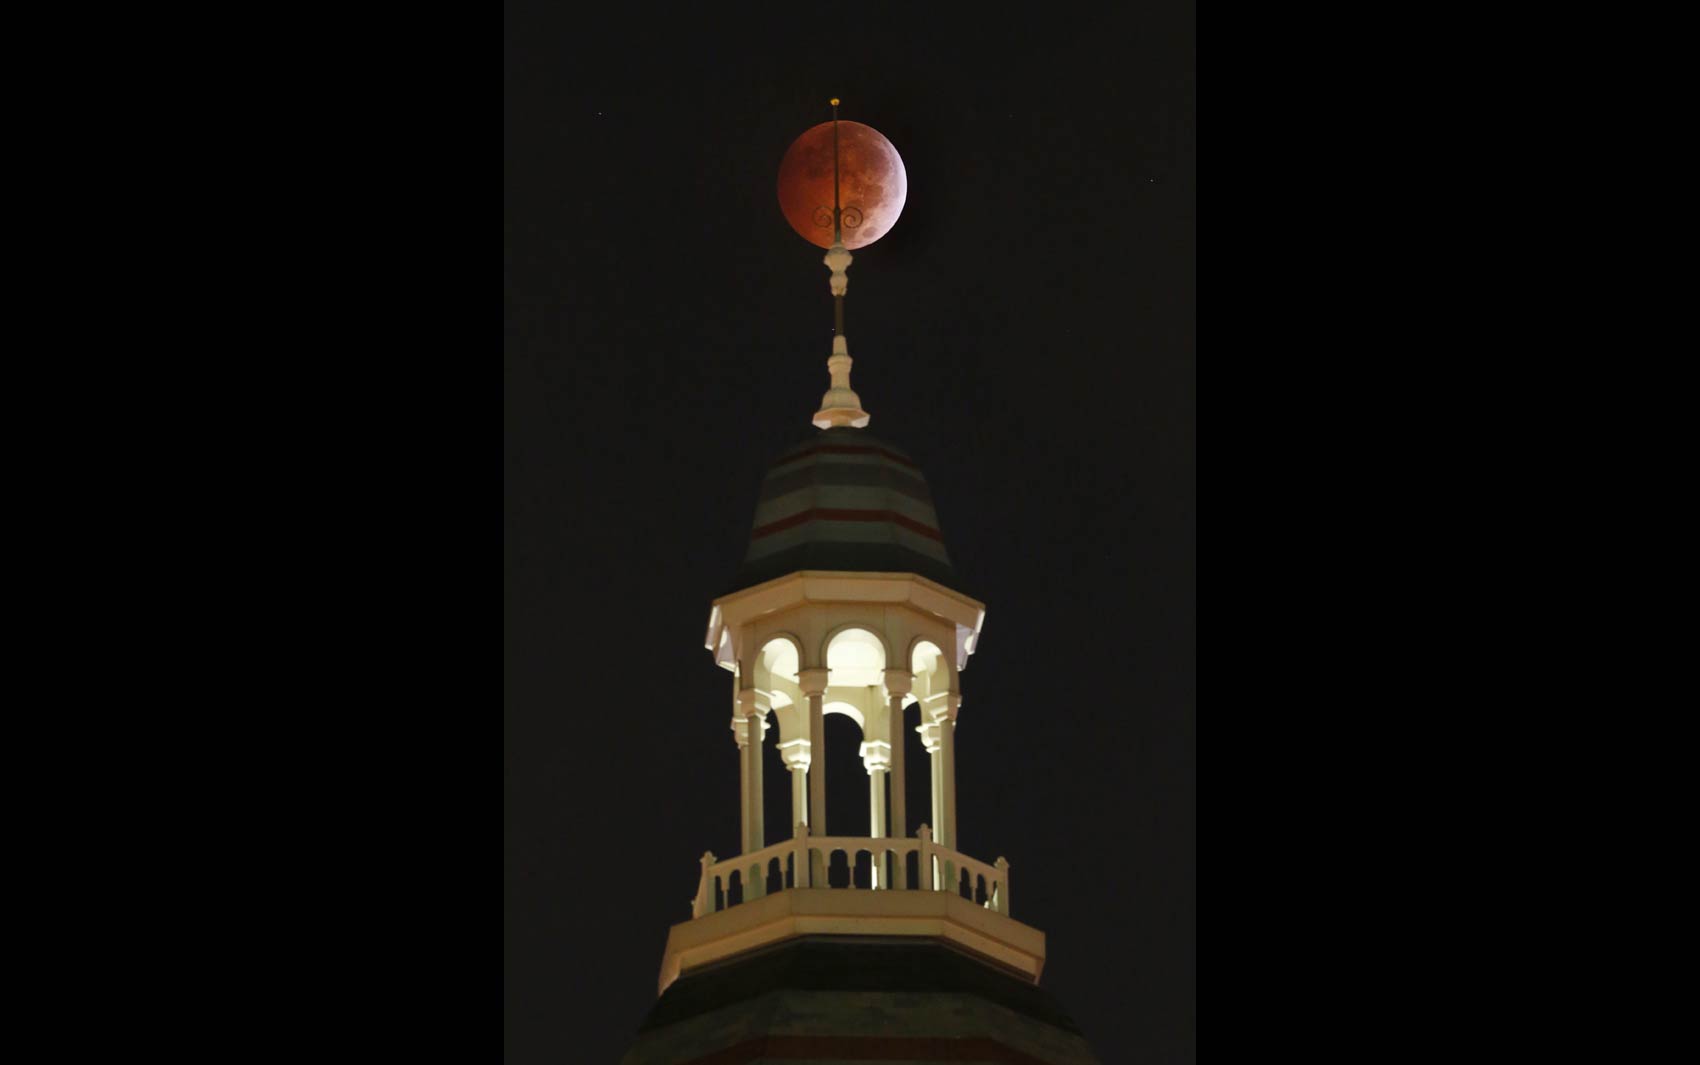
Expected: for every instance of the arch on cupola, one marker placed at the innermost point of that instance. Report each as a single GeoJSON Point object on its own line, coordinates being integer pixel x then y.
{"type": "Point", "coordinates": [858, 647]}
{"type": "Point", "coordinates": [849, 710]}
{"type": "Point", "coordinates": [933, 669]}
{"type": "Point", "coordinates": [855, 656]}
{"type": "Point", "coordinates": [779, 654]}
{"type": "Point", "coordinates": [774, 673]}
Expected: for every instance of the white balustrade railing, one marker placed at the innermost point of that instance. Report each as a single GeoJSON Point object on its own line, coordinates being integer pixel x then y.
{"type": "Point", "coordinates": [803, 861]}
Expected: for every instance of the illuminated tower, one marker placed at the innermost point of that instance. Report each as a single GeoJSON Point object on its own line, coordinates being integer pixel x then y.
{"type": "Point", "coordinates": [811, 945]}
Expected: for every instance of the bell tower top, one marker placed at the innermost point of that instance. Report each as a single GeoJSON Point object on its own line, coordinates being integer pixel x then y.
{"type": "Point", "coordinates": [847, 604]}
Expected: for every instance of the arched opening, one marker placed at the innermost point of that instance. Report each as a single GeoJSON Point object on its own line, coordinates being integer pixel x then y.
{"type": "Point", "coordinates": [917, 774]}
{"type": "Point", "coordinates": [862, 873]}
{"type": "Point", "coordinates": [838, 870]}
{"type": "Point", "coordinates": [774, 678]}
{"type": "Point", "coordinates": [855, 658]}
{"type": "Point", "coordinates": [776, 789]}
{"type": "Point", "coordinates": [846, 780]}
{"type": "Point", "coordinates": [778, 658]}
{"type": "Point", "coordinates": [931, 668]}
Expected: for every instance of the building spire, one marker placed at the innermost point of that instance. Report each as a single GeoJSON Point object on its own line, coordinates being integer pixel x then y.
{"type": "Point", "coordinates": [840, 405]}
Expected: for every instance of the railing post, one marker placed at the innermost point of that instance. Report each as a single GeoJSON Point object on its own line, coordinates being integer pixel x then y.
{"type": "Point", "coordinates": [928, 876]}
{"type": "Point", "coordinates": [1003, 885]}
{"type": "Point", "coordinates": [800, 857]}
{"type": "Point", "coordinates": [700, 905]}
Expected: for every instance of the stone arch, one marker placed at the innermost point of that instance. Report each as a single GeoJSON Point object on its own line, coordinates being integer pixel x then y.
{"type": "Point", "coordinates": [932, 666]}
{"type": "Point", "coordinates": [787, 660]}
{"type": "Point", "coordinates": [860, 651]}
{"type": "Point", "coordinates": [774, 668]}
{"type": "Point", "coordinates": [869, 626]}
{"type": "Point", "coordinates": [849, 710]}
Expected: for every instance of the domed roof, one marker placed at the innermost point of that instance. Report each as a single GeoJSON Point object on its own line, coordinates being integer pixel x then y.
{"type": "Point", "coordinates": [845, 500]}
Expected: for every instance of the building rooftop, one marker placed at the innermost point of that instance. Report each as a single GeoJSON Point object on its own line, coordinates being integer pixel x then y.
{"type": "Point", "coordinates": [857, 998]}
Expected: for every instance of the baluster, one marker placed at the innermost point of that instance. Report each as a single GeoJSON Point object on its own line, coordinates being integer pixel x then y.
{"type": "Point", "coordinates": [1003, 885]}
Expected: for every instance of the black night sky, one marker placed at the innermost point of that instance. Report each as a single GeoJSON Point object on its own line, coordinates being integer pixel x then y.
{"type": "Point", "coordinates": [1026, 332]}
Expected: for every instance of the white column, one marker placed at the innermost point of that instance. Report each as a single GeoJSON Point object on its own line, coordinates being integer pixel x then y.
{"type": "Point", "coordinates": [813, 683]}
{"type": "Point", "coordinates": [947, 765]}
{"type": "Point", "coordinates": [751, 733]}
{"type": "Point", "coordinates": [898, 684]}
{"type": "Point", "coordinates": [876, 759]}
{"type": "Point", "coordinates": [740, 735]}
{"type": "Point", "coordinates": [797, 757]}
{"type": "Point", "coordinates": [929, 731]}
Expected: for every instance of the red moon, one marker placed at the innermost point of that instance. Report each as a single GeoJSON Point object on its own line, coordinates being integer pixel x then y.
{"type": "Point", "coordinates": [872, 184]}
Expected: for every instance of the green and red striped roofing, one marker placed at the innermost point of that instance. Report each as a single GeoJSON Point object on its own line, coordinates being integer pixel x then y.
{"type": "Point", "coordinates": [845, 500]}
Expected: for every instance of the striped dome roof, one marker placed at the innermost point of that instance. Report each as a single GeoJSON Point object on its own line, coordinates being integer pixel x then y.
{"type": "Point", "coordinates": [845, 500]}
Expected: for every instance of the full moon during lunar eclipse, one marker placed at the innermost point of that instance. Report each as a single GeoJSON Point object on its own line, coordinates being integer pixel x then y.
{"type": "Point", "coordinates": [872, 184]}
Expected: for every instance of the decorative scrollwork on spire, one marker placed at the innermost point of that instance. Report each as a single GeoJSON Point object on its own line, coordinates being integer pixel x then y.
{"type": "Point", "coordinates": [850, 216]}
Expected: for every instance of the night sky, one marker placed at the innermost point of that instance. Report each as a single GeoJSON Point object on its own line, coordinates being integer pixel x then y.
{"type": "Point", "coordinates": [1026, 332]}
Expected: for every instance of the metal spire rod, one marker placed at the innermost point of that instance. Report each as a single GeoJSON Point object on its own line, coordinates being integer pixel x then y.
{"type": "Point", "coordinates": [837, 223]}
{"type": "Point", "coordinates": [837, 213]}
